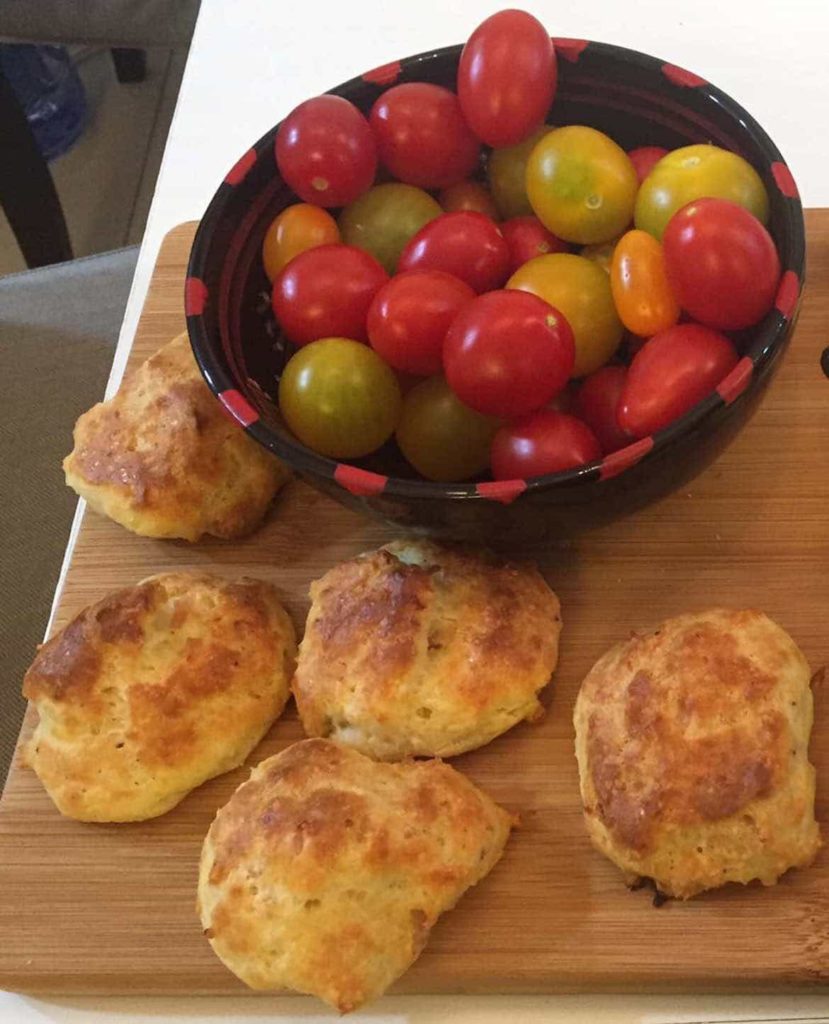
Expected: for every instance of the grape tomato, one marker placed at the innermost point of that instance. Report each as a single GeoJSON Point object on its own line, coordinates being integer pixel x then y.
{"type": "Point", "coordinates": [722, 264]}
{"type": "Point", "coordinates": [467, 245]}
{"type": "Point", "coordinates": [671, 373]}
{"type": "Point", "coordinates": [326, 152]}
{"type": "Point", "coordinates": [442, 438]}
{"type": "Point", "coordinates": [527, 238]}
{"type": "Point", "coordinates": [422, 138]}
{"type": "Point", "coordinates": [507, 353]}
{"type": "Point", "coordinates": [296, 229]}
{"type": "Point", "coordinates": [410, 316]}
{"type": "Point", "coordinates": [339, 398]}
{"type": "Point", "coordinates": [507, 77]}
{"type": "Point", "coordinates": [642, 293]}
{"type": "Point", "coordinates": [543, 442]}
{"type": "Point", "coordinates": [383, 220]}
{"type": "Point", "coordinates": [326, 292]}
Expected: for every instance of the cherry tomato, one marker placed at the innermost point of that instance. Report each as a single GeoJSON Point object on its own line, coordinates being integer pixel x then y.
{"type": "Point", "coordinates": [644, 298]}
{"type": "Point", "coordinates": [507, 77]}
{"type": "Point", "coordinates": [581, 185]}
{"type": "Point", "coordinates": [339, 398]}
{"type": "Point", "coordinates": [507, 353]}
{"type": "Point", "coordinates": [410, 315]}
{"type": "Point", "coordinates": [645, 158]}
{"type": "Point", "coordinates": [326, 291]}
{"type": "Point", "coordinates": [422, 138]}
{"type": "Point", "coordinates": [441, 437]}
{"type": "Point", "coordinates": [297, 228]}
{"type": "Point", "coordinates": [527, 238]}
{"type": "Point", "coordinates": [671, 373]}
{"type": "Point", "coordinates": [581, 290]}
{"type": "Point", "coordinates": [384, 219]}
{"type": "Point", "coordinates": [601, 253]}
{"type": "Point", "coordinates": [722, 264]}
{"type": "Point", "coordinates": [543, 442]}
{"type": "Point", "coordinates": [467, 245]}
{"type": "Point", "coordinates": [468, 195]}
{"type": "Point", "coordinates": [506, 172]}
{"type": "Point", "coordinates": [694, 172]}
{"type": "Point", "coordinates": [326, 151]}
{"type": "Point", "coordinates": [597, 402]}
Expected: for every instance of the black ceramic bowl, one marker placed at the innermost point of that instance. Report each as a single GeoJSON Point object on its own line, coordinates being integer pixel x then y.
{"type": "Point", "coordinates": [637, 100]}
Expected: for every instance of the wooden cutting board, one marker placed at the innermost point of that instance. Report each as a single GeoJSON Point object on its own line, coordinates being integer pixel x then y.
{"type": "Point", "coordinates": [110, 908]}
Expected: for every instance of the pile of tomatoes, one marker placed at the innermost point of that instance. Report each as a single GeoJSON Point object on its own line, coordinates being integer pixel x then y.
{"type": "Point", "coordinates": [477, 307]}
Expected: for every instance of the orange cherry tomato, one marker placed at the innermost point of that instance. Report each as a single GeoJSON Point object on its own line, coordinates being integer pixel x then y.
{"type": "Point", "coordinates": [468, 195]}
{"type": "Point", "coordinates": [644, 299]}
{"type": "Point", "coordinates": [297, 228]}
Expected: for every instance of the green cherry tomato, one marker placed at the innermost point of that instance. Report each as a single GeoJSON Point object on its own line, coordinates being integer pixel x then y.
{"type": "Point", "coordinates": [339, 398]}
{"type": "Point", "coordinates": [441, 437]}
{"type": "Point", "coordinates": [506, 171]}
{"type": "Point", "coordinates": [697, 172]}
{"type": "Point", "coordinates": [384, 219]}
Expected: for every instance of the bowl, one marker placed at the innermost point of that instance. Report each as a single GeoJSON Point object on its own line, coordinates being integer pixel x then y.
{"type": "Point", "coordinates": [636, 99]}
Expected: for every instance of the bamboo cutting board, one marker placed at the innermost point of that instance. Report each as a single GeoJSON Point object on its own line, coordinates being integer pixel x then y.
{"type": "Point", "coordinates": [110, 909]}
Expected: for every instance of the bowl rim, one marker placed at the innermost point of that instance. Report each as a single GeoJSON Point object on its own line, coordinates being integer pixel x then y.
{"type": "Point", "coordinates": [771, 333]}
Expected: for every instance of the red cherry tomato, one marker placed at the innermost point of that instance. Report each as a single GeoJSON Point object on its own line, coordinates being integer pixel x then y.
{"type": "Point", "coordinates": [422, 138]}
{"type": "Point", "coordinates": [326, 292]}
{"type": "Point", "coordinates": [409, 318]}
{"type": "Point", "coordinates": [467, 245]}
{"type": "Point", "coordinates": [543, 442]}
{"type": "Point", "coordinates": [670, 373]}
{"type": "Point", "coordinates": [326, 152]}
{"type": "Point", "coordinates": [527, 238]}
{"type": "Point", "coordinates": [722, 264]}
{"type": "Point", "coordinates": [645, 158]}
{"type": "Point", "coordinates": [468, 195]}
{"type": "Point", "coordinates": [507, 77]}
{"type": "Point", "coordinates": [507, 353]}
{"type": "Point", "coordinates": [597, 402]}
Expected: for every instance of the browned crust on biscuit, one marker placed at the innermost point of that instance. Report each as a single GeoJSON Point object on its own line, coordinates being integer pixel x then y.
{"type": "Point", "coordinates": [432, 650]}
{"type": "Point", "coordinates": [326, 871]}
{"type": "Point", "coordinates": [153, 688]}
{"type": "Point", "coordinates": [162, 457]}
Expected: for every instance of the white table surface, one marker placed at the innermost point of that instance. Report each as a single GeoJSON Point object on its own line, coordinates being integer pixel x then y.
{"type": "Point", "coordinates": [251, 61]}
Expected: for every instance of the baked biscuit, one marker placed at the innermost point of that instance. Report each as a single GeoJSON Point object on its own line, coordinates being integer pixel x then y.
{"type": "Point", "coordinates": [326, 871]}
{"type": "Point", "coordinates": [692, 744]}
{"type": "Point", "coordinates": [163, 459]}
{"type": "Point", "coordinates": [417, 649]}
{"type": "Point", "coordinates": [154, 690]}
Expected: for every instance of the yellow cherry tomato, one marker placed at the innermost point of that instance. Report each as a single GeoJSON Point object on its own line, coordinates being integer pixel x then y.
{"type": "Point", "coordinates": [297, 228]}
{"type": "Point", "coordinates": [441, 437]}
{"type": "Point", "coordinates": [339, 398]}
{"type": "Point", "coordinates": [601, 253]}
{"type": "Point", "coordinates": [579, 289]}
{"type": "Point", "coordinates": [697, 172]}
{"type": "Point", "coordinates": [639, 283]}
{"type": "Point", "coordinates": [506, 172]}
{"type": "Point", "coordinates": [581, 185]}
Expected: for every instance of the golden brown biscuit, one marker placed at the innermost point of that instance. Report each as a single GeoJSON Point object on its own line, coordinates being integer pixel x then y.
{"type": "Point", "coordinates": [156, 689]}
{"type": "Point", "coordinates": [162, 458]}
{"type": "Point", "coordinates": [417, 649]}
{"type": "Point", "coordinates": [326, 871]}
{"type": "Point", "coordinates": [692, 744]}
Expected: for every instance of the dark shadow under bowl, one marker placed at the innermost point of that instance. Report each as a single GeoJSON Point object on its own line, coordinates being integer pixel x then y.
{"type": "Point", "coordinates": [637, 100]}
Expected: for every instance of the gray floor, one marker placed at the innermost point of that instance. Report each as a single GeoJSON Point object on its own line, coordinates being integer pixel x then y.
{"type": "Point", "coordinates": [106, 180]}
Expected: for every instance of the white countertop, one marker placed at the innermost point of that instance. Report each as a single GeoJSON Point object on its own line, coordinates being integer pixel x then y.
{"type": "Point", "coordinates": [251, 61]}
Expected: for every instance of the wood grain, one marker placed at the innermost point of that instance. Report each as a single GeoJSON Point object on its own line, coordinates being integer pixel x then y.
{"type": "Point", "coordinates": [110, 909]}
